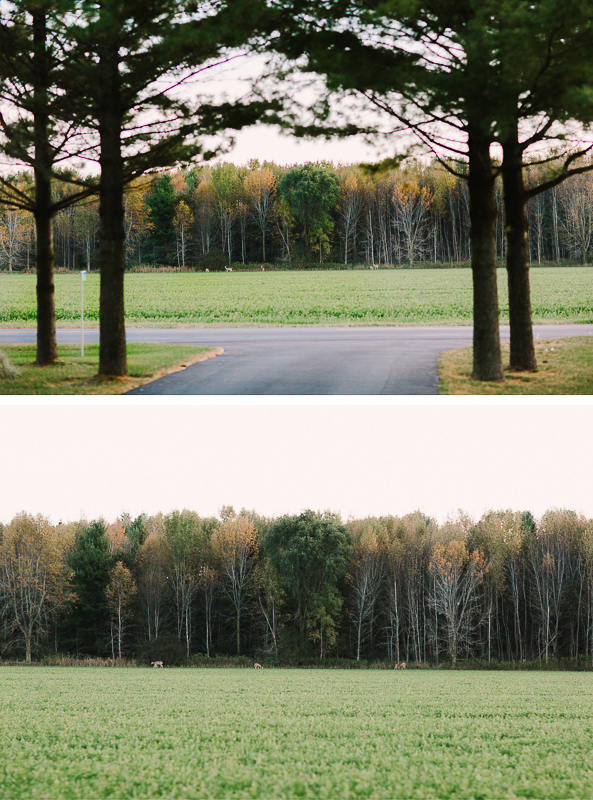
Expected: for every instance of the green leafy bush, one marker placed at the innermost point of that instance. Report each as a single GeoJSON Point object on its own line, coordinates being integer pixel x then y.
{"type": "Point", "coordinates": [214, 261]}
{"type": "Point", "coordinates": [166, 648]}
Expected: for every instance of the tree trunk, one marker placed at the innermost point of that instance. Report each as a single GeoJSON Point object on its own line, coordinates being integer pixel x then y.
{"type": "Point", "coordinates": [112, 348]}
{"type": "Point", "coordinates": [238, 630]}
{"type": "Point", "coordinates": [517, 237]}
{"type": "Point", "coordinates": [487, 364]}
{"type": "Point", "coordinates": [303, 611]}
{"type": "Point", "coordinates": [47, 348]}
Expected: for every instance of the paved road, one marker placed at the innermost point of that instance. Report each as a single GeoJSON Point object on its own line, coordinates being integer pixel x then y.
{"type": "Point", "coordinates": [306, 361]}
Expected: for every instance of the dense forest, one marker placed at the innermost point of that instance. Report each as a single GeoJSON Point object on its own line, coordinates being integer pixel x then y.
{"type": "Point", "coordinates": [178, 586]}
{"type": "Point", "coordinates": [208, 217]}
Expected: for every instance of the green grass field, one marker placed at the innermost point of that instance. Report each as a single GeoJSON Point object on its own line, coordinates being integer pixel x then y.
{"type": "Point", "coordinates": [357, 297]}
{"type": "Point", "coordinates": [243, 733]}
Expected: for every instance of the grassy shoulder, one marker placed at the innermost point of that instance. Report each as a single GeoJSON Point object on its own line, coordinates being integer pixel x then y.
{"type": "Point", "coordinates": [565, 366]}
{"type": "Point", "coordinates": [76, 374]}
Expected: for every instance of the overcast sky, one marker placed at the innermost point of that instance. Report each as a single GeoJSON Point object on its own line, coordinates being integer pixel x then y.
{"type": "Point", "coordinates": [68, 459]}
{"type": "Point", "coordinates": [265, 143]}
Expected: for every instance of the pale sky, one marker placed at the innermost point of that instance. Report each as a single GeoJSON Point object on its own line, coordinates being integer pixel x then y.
{"type": "Point", "coordinates": [69, 459]}
{"type": "Point", "coordinates": [266, 143]}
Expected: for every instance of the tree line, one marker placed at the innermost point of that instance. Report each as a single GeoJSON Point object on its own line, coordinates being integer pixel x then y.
{"type": "Point", "coordinates": [96, 82]}
{"type": "Point", "coordinates": [506, 587]}
{"type": "Point", "coordinates": [207, 217]}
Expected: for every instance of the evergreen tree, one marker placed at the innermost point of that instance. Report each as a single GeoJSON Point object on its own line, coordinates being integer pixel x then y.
{"type": "Point", "coordinates": [161, 202]}
{"type": "Point", "coordinates": [84, 631]}
{"type": "Point", "coordinates": [130, 61]}
{"type": "Point", "coordinates": [39, 100]}
{"type": "Point", "coordinates": [461, 76]}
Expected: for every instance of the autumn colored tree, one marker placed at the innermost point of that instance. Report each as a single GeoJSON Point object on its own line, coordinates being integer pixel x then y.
{"type": "Point", "coordinates": [33, 579]}
{"type": "Point", "coordinates": [204, 198]}
{"type": "Point", "coordinates": [350, 207]}
{"type": "Point", "coordinates": [227, 185]}
{"type": "Point", "coordinates": [235, 546]}
{"type": "Point", "coordinates": [119, 594]}
{"type": "Point", "coordinates": [411, 204]}
{"type": "Point", "coordinates": [182, 224]}
{"type": "Point", "coordinates": [117, 541]}
{"type": "Point", "coordinates": [260, 189]}
{"type": "Point", "coordinates": [454, 594]}
{"type": "Point", "coordinates": [137, 221]}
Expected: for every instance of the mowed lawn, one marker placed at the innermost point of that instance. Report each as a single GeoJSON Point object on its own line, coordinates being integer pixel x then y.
{"type": "Point", "coordinates": [356, 297]}
{"type": "Point", "coordinates": [242, 733]}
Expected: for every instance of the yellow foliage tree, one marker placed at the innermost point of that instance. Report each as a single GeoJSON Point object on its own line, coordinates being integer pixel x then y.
{"type": "Point", "coordinates": [120, 594]}
{"type": "Point", "coordinates": [260, 187]}
{"type": "Point", "coordinates": [33, 578]}
{"type": "Point", "coordinates": [456, 576]}
{"type": "Point", "coordinates": [235, 546]}
{"type": "Point", "coordinates": [182, 223]}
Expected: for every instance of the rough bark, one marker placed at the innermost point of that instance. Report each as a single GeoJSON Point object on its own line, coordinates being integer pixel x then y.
{"type": "Point", "coordinates": [487, 364]}
{"type": "Point", "coordinates": [517, 235]}
{"type": "Point", "coordinates": [47, 348]}
{"type": "Point", "coordinates": [112, 348]}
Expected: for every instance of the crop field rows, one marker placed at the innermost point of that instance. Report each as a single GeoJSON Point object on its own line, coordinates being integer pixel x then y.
{"type": "Point", "coordinates": [384, 297]}
{"type": "Point", "coordinates": [241, 733]}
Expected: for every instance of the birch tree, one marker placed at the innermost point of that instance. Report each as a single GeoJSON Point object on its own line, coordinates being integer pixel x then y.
{"type": "Point", "coordinates": [411, 204]}
{"type": "Point", "coordinates": [120, 595]}
{"type": "Point", "coordinates": [366, 577]}
{"type": "Point", "coordinates": [153, 596]}
{"type": "Point", "coordinates": [454, 594]}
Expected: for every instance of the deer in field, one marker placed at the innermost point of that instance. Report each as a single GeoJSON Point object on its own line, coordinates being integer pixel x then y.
{"type": "Point", "coordinates": [374, 266]}
{"type": "Point", "coordinates": [258, 666]}
{"type": "Point", "coordinates": [229, 269]}
{"type": "Point", "coordinates": [156, 664]}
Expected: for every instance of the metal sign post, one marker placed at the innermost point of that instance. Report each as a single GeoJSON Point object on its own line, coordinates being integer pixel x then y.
{"type": "Point", "coordinates": [82, 280]}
